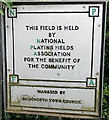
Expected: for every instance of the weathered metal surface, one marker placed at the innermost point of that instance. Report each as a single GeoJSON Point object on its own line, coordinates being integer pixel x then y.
{"type": "Point", "coordinates": [54, 56]}
{"type": "Point", "coordinates": [1, 102]}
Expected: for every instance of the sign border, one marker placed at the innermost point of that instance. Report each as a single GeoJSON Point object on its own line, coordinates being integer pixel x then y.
{"type": "Point", "coordinates": [102, 45]}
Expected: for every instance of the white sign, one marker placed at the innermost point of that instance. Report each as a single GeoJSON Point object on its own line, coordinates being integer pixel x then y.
{"type": "Point", "coordinates": [54, 55]}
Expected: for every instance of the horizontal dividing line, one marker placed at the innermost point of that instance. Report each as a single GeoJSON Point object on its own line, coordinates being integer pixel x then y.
{"type": "Point", "coordinates": [51, 12]}
{"type": "Point", "coordinates": [50, 86]}
{"type": "Point", "coordinates": [51, 108]}
{"type": "Point", "coordinates": [58, 3]}
{"type": "Point", "coordinates": [59, 113]}
{"type": "Point", "coordinates": [51, 81]}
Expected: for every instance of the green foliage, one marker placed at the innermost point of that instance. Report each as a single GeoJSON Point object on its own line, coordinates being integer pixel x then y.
{"type": "Point", "coordinates": [106, 73]}
{"type": "Point", "coordinates": [107, 24]}
{"type": "Point", "coordinates": [24, 117]}
{"type": "Point", "coordinates": [106, 101]}
{"type": "Point", "coordinates": [6, 4]}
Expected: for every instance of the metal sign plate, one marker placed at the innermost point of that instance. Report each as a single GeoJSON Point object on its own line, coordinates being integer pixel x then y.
{"type": "Point", "coordinates": [54, 54]}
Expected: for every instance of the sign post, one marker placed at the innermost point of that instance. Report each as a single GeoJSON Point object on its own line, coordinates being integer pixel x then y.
{"type": "Point", "coordinates": [0, 72]}
{"type": "Point", "coordinates": [54, 58]}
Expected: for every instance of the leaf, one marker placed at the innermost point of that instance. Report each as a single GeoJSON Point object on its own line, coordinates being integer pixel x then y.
{"type": "Point", "coordinates": [1, 11]}
{"type": "Point", "coordinates": [107, 33]}
{"type": "Point", "coordinates": [8, 3]}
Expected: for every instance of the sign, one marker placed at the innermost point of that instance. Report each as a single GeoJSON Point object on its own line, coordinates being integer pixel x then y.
{"type": "Point", "coordinates": [54, 54]}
